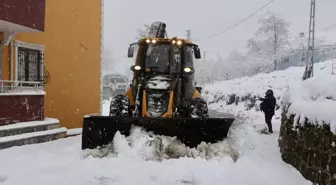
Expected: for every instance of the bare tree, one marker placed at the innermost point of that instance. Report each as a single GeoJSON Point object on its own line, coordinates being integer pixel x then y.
{"type": "Point", "coordinates": [144, 32]}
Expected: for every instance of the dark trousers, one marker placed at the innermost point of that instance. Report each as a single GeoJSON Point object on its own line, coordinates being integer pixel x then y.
{"type": "Point", "coordinates": [268, 120]}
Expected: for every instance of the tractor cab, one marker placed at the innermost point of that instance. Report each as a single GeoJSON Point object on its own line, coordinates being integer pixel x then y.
{"type": "Point", "coordinates": [164, 56]}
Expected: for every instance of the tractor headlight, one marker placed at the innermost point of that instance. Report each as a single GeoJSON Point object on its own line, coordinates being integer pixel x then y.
{"type": "Point", "coordinates": [137, 68]}
{"type": "Point", "coordinates": [187, 69]}
{"type": "Point", "coordinates": [153, 41]}
{"type": "Point", "coordinates": [178, 42]}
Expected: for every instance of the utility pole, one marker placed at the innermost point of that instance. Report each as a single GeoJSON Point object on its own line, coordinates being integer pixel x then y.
{"type": "Point", "coordinates": [309, 71]}
{"type": "Point", "coordinates": [188, 34]}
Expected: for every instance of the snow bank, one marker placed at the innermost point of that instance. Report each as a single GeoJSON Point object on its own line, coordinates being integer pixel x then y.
{"type": "Point", "coordinates": [218, 94]}
{"type": "Point", "coordinates": [314, 99]}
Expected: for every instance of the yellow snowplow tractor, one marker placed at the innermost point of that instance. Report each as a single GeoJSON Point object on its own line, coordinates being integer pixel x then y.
{"type": "Point", "coordinates": [162, 97]}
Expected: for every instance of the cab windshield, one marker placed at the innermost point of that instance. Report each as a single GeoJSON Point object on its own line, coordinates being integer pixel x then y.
{"type": "Point", "coordinates": [157, 58]}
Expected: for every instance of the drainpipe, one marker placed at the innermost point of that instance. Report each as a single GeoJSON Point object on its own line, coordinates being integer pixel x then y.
{"type": "Point", "coordinates": [101, 56]}
{"type": "Point", "coordinates": [11, 60]}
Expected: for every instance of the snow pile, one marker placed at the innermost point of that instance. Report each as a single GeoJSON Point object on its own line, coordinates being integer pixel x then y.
{"type": "Point", "coordinates": [146, 146]}
{"type": "Point", "coordinates": [314, 99]}
{"type": "Point", "coordinates": [246, 90]}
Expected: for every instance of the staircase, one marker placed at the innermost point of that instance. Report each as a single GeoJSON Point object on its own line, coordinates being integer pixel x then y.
{"type": "Point", "coordinates": [24, 133]}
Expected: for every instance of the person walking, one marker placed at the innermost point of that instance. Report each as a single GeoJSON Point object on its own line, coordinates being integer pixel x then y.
{"type": "Point", "coordinates": [268, 107]}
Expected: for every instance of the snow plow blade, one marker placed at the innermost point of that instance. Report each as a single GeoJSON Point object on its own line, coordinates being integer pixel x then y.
{"type": "Point", "coordinates": [100, 130]}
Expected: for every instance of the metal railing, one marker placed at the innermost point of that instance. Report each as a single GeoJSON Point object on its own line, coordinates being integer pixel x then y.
{"type": "Point", "coordinates": [8, 86]}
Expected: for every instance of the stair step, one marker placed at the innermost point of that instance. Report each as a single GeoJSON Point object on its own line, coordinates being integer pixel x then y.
{"type": "Point", "coordinates": [74, 132]}
{"type": "Point", "coordinates": [32, 138]}
{"type": "Point", "coordinates": [28, 127]}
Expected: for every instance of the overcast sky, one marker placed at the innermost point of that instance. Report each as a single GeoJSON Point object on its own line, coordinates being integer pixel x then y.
{"type": "Point", "coordinates": [206, 17]}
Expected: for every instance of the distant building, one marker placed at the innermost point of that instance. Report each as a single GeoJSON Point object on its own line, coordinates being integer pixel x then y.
{"type": "Point", "coordinates": [297, 57]}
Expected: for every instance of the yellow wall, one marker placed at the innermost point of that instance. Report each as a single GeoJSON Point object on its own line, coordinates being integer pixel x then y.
{"type": "Point", "coordinates": [5, 68]}
{"type": "Point", "coordinates": [72, 38]}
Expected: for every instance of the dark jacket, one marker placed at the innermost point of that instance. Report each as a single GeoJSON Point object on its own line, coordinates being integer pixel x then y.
{"type": "Point", "coordinates": [268, 105]}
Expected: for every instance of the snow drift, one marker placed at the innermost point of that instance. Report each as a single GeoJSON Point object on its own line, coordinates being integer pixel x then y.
{"type": "Point", "coordinates": [314, 99]}
{"type": "Point", "coordinates": [226, 96]}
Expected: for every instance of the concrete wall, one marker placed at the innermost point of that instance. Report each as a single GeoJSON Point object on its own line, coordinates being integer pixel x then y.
{"type": "Point", "coordinates": [311, 149]}
{"type": "Point", "coordinates": [72, 40]}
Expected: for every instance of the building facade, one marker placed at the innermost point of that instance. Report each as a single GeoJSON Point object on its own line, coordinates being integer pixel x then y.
{"type": "Point", "coordinates": [50, 65]}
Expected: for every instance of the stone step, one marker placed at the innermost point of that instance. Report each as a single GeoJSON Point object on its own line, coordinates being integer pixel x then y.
{"type": "Point", "coordinates": [28, 127]}
{"type": "Point", "coordinates": [32, 138]}
{"type": "Point", "coordinates": [74, 132]}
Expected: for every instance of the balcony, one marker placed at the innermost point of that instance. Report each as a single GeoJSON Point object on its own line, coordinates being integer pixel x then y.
{"type": "Point", "coordinates": [22, 16]}
{"type": "Point", "coordinates": [21, 101]}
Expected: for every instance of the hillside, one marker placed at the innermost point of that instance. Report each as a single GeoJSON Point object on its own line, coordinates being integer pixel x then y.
{"type": "Point", "coordinates": [238, 95]}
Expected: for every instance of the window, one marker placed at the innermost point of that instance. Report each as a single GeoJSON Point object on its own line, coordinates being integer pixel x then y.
{"type": "Point", "coordinates": [158, 58]}
{"type": "Point", "coordinates": [29, 62]}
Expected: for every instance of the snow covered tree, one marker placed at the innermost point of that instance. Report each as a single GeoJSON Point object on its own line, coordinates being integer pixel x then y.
{"type": "Point", "coordinates": [258, 57]}
{"type": "Point", "coordinates": [271, 38]}
{"type": "Point", "coordinates": [144, 32]}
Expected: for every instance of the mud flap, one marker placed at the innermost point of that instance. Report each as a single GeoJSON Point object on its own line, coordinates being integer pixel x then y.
{"type": "Point", "coordinates": [100, 130]}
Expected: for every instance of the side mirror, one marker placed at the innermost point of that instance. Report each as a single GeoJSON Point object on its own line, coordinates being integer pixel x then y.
{"type": "Point", "coordinates": [199, 89]}
{"type": "Point", "coordinates": [132, 68]}
{"type": "Point", "coordinates": [197, 52]}
{"type": "Point", "coordinates": [130, 52]}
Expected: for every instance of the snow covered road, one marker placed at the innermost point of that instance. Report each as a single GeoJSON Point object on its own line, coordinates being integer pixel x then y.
{"type": "Point", "coordinates": [62, 162]}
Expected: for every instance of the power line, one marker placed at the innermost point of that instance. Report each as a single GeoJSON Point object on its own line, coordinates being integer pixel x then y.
{"type": "Point", "coordinates": [329, 27]}
{"type": "Point", "coordinates": [248, 17]}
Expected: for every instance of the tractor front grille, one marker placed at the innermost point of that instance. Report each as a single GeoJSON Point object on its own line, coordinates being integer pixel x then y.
{"type": "Point", "coordinates": [157, 102]}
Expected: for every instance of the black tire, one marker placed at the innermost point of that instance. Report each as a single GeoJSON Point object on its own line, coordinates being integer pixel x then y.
{"type": "Point", "coordinates": [198, 108]}
{"type": "Point", "coordinates": [119, 106]}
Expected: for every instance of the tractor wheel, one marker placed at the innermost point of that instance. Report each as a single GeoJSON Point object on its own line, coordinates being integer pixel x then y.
{"type": "Point", "coordinates": [198, 108]}
{"type": "Point", "coordinates": [119, 106]}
